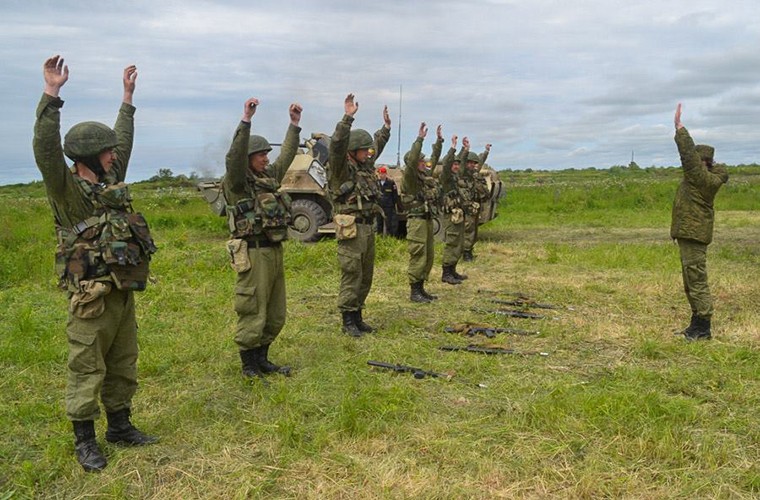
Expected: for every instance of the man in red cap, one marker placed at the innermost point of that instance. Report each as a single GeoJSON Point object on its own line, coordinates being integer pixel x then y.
{"type": "Point", "coordinates": [389, 202]}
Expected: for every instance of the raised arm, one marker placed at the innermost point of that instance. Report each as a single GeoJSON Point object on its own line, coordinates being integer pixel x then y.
{"type": "Point", "coordinates": [382, 135]}
{"type": "Point", "coordinates": [448, 161]}
{"type": "Point", "coordinates": [290, 144]}
{"type": "Point", "coordinates": [411, 159]}
{"type": "Point", "coordinates": [336, 163]}
{"type": "Point", "coordinates": [437, 147]}
{"type": "Point", "coordinates": [236, 162]}
{"type": "Point", "coordinates": [125, 124]}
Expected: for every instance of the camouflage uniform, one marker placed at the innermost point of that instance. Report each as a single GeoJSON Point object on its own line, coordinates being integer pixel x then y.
{"type": "Point", "coordinates": [453, 208]}
{"type": "Point", "coordinates": [477, 190]}
{"type": "Point", "coordinates": [354, 191]}
{"type": "Point", "coordinates": [258, 215]}
{"type": "Point", "coordinates": [421, 197]}
{"type": "Point", "coordinates": [102, 258]}
{"type": "Point", "coordinates": [692, 220]}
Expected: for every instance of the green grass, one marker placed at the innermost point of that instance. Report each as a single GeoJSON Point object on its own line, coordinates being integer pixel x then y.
{"type": "Point", "coordinates": [619, 408]}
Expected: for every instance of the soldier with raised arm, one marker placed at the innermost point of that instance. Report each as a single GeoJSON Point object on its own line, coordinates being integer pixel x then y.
{"type": "Point", "coordinates": [104, 247]}
{"type": "Point", "coordinates": [453, 207]}
{"type": "Point", "coordinates": [354, 192]}
{"type": "Point", "coordinates": [692, 224]}
{"type": "Point", "coordinates": [478, 194]}
{"type": "Point", "coordinates": [421, 197]}
{"type": "Point", "coordinates": [258, 214]}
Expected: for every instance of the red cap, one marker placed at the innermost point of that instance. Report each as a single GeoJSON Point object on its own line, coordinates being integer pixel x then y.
{"type": "Point", "coordinates": [382, 170]}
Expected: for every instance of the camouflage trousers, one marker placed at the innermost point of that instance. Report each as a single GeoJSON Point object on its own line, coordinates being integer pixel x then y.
{"type": "Point", "coordinates": [470, 232]}
{"type": "Point", "coordinates": [419, 235]}
{"type": "Point", "coordinates": [102, 358]}
{"type": "Point", "coordinates": [694, 271]}
{"type": "Point", "coordinates": [260, 298]}
{"type": "Point", "coordinates": [356, 257]}
{"type": "Point", "coordinates": [453, 241]}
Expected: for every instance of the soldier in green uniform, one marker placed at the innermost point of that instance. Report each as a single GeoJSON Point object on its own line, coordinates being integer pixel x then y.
{"type": "Point", "coordinates": [478, 194]}
{"type": "Point", "coordinates": [421, 197]}
{"type": "Point", "coordinates": [258, 214]}
{"type": "Point", "coordinates": [692, 224]}
{"type": "Point", "coordinates": [453, 220]}
{"type": "Point", "coordinates": [353, 189]}
{"type": "Point", "coordinates": [102, 258]}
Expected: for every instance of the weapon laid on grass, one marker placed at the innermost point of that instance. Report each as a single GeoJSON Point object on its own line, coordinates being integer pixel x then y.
{"type": "Point", "coordinates": [524, 303]}
{"type": "Point", "coordinates": [416, 372]}
{"type": "Point", "coordinates": [488, 331]}
{"type": "Point", "coordinates": [512, 313]}
{"type": "Point", "coordinates": [519, 295]}
{"type": "Point", "coordinates": [490, 350]}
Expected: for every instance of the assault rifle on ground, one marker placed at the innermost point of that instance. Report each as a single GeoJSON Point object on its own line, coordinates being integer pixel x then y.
{"type": "Point", "coordinates": [521, 300]}
{"type": "Point", "coordinates": [488, 331]}
{"type": "Point", "coordinates": [416, 372]}
{"type": "Point", "coordinates": [512, 313]}
{"type": "Point", "coordinates": [490, 350]}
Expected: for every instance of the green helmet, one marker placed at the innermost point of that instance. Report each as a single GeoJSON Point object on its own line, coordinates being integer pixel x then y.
{"type": "Point", "coordinates": [88, 139]}
{"type": "Point", "coordinates": [473, 157]}
{"type": "Point", "coordinates": [257, 144]}
{"type": "Point", "coordinates": [359, 139]}
{"type": "Point", "coordinates": [706, 152]}
{"type": "Point", "coordinates": [409, 154]}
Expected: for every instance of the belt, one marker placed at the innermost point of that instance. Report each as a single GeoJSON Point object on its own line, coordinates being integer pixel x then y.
{"type": "Point", "coordinates": [263, 243]}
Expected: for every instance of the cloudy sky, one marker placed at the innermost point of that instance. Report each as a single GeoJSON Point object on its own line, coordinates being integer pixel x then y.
{"type": "Point", "coordinates": [550, 83]}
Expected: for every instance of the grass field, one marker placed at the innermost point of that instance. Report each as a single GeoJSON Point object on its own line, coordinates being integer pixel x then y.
{"type": "Point", "coordinates": [620, 408]}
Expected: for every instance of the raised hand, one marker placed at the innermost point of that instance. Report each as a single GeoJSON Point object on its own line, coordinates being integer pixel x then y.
{"type": "Point", "coordinates": [386, 117]}
{"type": "Point", "coordinates": [488, 148]}
{"type": "Point", "coordinates": [454, 141]}
{"type": "Point", "coordinates": [423, 130]}
{"type": "Point", "coordinates": [349, 106]}
{"type": "Point", "coordinates": [295, 113]}
{"type": "Point", "coordinates": [249, 109]}
{"type": "Point", "coordinates": [439, 133]}
{"type": "Point", "coordinates": [130, 82]}
{"type": "Point", "coordinates": [56, 74]}
{"type": "Point", "coordinates": [466, 143]}
{"type": "Point", "coordinates": [677, 119]}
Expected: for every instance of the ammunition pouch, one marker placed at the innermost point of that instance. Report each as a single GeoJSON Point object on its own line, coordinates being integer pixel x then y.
{"type": "Point", "coordinates": [238, 251]}
{"type": "Point", "coordinates": [457, 216]}
{"type": "Point", "coordinates": [345, 227]}
{"type": "Point", "coordinates": [88, 302]}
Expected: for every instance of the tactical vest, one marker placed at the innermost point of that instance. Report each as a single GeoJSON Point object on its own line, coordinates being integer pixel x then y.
{"type": "Point", "coordinates": [482, 193]}
{"type": "Point", "coordinates": [358, 195]}
{"type": "Point", "coordinates": [426, 200]}
{"type": "Point", "coordinates": [265, 214]}
{"type": "Point", "coordinates": [114, 244]}
{"type": "Point", "coordinates": [453, 198]}
{"type": "Point", "coordinates": [470, 194]}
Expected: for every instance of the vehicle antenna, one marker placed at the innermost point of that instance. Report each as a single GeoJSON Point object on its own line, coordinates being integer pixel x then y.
{"type": "Point", "coordinates": [398, 148]}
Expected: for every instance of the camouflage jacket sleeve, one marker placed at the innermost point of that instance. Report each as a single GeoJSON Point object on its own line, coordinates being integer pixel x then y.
{"type": "Point", "coordinates": [410, 182]}
{"type": "Point", "coordinates": [382, 136]}
{"type": "Point", "coordinates": [288, 151]}
{"type": "Point", "coordinates": [436, 155]}
{"type": "Point", "coordinates": [68, 204]}
{"type": "Point", "coordinates": [125, 132]}
{"type": "Point", "coordinates": [482, 157]}
{"type": "Point", "coordinates": [463, 170]}
{"type": "Point", "coordinates": [694, 171]}
{"type": "Point", "coordinates": [236, 164]}
{"type": "Point", "coordinates": [448, 161]}
{"type": "Point", "coordinates": [337, 171]}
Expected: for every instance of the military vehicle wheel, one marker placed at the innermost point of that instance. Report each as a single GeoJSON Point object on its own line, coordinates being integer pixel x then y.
{"type": "Point", "coordinates": [307, 216]}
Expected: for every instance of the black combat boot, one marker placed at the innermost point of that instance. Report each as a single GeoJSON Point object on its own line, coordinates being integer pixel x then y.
{"type": "Point", "coordinates": [701, 330]}
{"type": "Point", "coordinates": [416, 294]}
{"type": "Point", "coordinates": [467, 256]}
{"type": "Point", "coordinates": [250, 361]}
{"type": "Point", "coordinates": [360, 324]}
{"type": "Point", "coordinates": [266, 366]}
{"type": "Point", "coordinates": [448, 277]}
{"type": "Point", "coordinates": [349, 324]}
{"type": "Point", "coordinates": [427, 295]}
{"type": "Point", "coordinates": [88, 452]}
{"type": "Point", "coordinates": [689, 328]}
{"type": "Point", "coordinates": [120, 430]}
{"type": "Point", "coordinates": [460, 277]}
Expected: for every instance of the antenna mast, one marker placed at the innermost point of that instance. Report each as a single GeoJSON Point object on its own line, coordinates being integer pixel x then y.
{"type": "Point", "coordinates": [398, 148]}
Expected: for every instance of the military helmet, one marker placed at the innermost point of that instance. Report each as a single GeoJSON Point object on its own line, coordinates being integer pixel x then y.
{"type": "Point", "coordinates": [359, 139]}
{"type": "Point", "coordinates": [705, 152]}
{"type": "Point", "coordinates": [408, 155]}
{"type": "Point", "coordinates": [257, 144]}
{"type": "Point", "coordinates": [473, 157]}
{"type": "Point", "coordinates": [88, 139]}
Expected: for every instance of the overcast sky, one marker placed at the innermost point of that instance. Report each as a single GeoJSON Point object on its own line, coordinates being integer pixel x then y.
{"type": "Point", "coordinates": [551, 84]}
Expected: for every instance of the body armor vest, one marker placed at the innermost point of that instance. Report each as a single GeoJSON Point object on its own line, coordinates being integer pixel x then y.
{"type": "Point", "coordinates": [265, 214]}
{"type": "Point", "coordinates": [358, 195]}
{"type": "Point", "coordinates": [426, 200]}
{"type": "Point", "coordinates": [114, 244]}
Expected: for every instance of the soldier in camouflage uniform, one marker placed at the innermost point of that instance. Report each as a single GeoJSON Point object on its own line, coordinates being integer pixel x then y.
{"type": "Point", "coordinates": [453, 221]}
{"type": "Point", "coordinates": [258, 214]}
{"type": "Point", "coordinates": [421, 197]}
{"type": "Point", "coordinates": [353, 189]}
{"type": "Point", "coordinates": [102, 258]}
{"type": "Point", "coordinates": [692, 224]}
{"type": "Point", "coordinates": [478, 193]}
